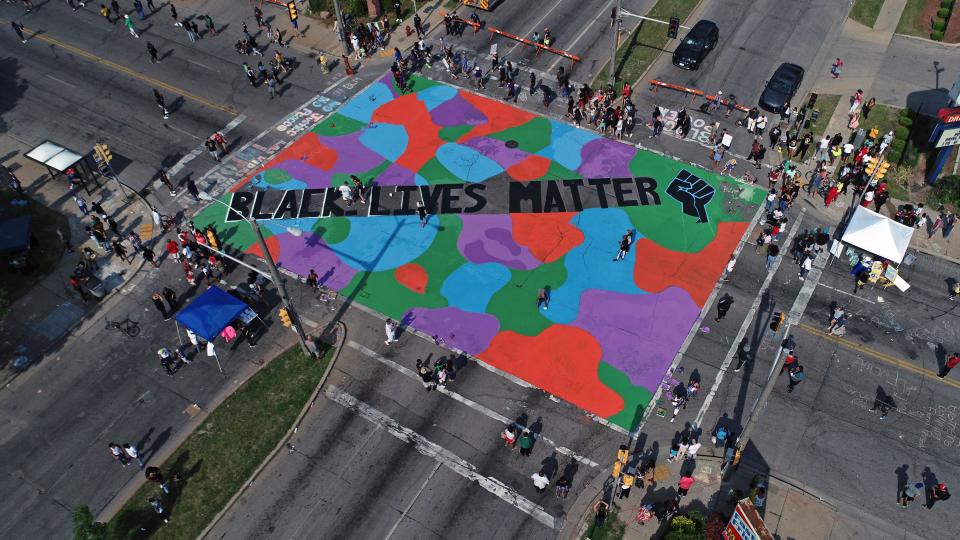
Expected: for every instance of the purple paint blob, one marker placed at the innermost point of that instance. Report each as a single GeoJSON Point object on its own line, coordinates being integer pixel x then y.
{"type": "Point", "coordinates": [300, 254]}
{"type": "Point", "coordinates": [497, 151]}
{"type": "Point", "coordinates": [605, 158]}
{"type": "Point", "coordinates": [638, 334]}
{"type": "Point", "coordinates": [468, 332]}
{"type": "Point", "coordinates": [489, 238]}
{"type": "Point", "coordinates": [457, 111]}
{"type": "Point", "coordinates": [352, 155]}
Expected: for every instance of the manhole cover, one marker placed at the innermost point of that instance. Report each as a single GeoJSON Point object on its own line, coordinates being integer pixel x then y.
{"type": "Point", "coordinates": [512, 144]}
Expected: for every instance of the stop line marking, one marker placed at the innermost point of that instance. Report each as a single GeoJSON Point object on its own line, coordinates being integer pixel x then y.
{"type": "Point", "coordinates": [470, 403]}
{"type": "Point", "coordinates": [450, 460]}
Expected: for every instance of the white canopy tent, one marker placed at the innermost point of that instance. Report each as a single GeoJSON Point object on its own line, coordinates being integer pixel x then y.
{"type": "Point", "coordinates": [878, 234]}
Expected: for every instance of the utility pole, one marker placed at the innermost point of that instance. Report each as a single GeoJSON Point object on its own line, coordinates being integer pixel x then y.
{"type": "Point", "coordinates": [341, 28]}
{"type": "Point", "coordinates": [611, 76]}
{"type": "Point", "coordinates": [282, 289]}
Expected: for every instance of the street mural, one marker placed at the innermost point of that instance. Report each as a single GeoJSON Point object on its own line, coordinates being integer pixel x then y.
{"type": "Point", "coordinates": [517, 203]}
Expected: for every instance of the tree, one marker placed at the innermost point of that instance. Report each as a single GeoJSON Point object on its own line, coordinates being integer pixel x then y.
{"type": "Point", "coordinates": [689, 526]}
{"type": "Point", "coordinates": [85, 528]}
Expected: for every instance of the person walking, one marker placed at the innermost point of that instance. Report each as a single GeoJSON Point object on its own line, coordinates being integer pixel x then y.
{"type": "Point", "coordinates": [165, 180]}
{"type": "Point", "coordinates": [949, 364]}
{"type": "Point", "coordinates": [563, 487]}
{"type": "Point", "coordinates": [772, 251]}
{"type": "Point", "coordinates": [117, 452]}
{"type": "Point", "coordinates": [728, 271]}
{"type": "Point", "coordinates": [625, 241]}
{"type": "Point", "coordinates": [18, 28]}
{"type": "Point", "coordinates": [189, 30]}
{"type": "Point", "coordinates": [422, 213]}
{"type": "Point", "coordinates": [391, 330]}
{"type": "Point", "coordinates": [158, 97]}
{"type": "Point", "coordinates": [81, 204]}
{"type": "Point", "coordinates": [132, 453]}
{"type": "Point", "coordinates": [543, 299]}
{"type": "Point", "coordinates": [272, 87]}
{"type": "Point", "coordinates": [212, 146]}
{"type": "Point", "coordinates": [158, 508]}
{"type": "Point", "coordinates": [154, 56]}
{"type": "Point", "coordinates": [158, 301]}
{"type": "Point", "coordinates": [119, 250]}
{"type": "Point", "coordinates": [723, 306]}
{"type": "Point", "coordinates": [533, 83]}
{"type": "Point", "coordinates": [525, 443]}
{"type": "Point", "coordinates": [128, 22]}
{"type": "Point", "coordinates": [427, 376]}
{"type": "Point", "coordinates": [149, 256]}
{"type": "Point", "coordinates": [173, 14]}
{"type": "Point", "coordinates": [208, 22]}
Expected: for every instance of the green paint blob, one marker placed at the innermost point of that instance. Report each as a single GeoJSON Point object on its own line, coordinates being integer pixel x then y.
{"type": "Point", "coordinates": [635, 398]}
{"type": "Point", "coordinates": [515, 305]}
{"type": "Point", "coordinates": [275, 176]}
{"type": "Point", "coordinates": [531, 137]}
{"type": "Point", "coordinates": [337, 124]}
{"type": "Point", "coordinates": [333, 230]}
{"type": "Point", "coordinates": [452, 133]}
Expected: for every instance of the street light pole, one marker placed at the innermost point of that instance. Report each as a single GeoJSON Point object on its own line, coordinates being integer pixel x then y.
{"type": "Point", "coordinates": [342, 32]}
{"type": "Point", "coordinates": [611, 78]}
{"type": "Point", "coordinates": [274, 274]}
{"type": "Point", "coordinates": [281, 288]}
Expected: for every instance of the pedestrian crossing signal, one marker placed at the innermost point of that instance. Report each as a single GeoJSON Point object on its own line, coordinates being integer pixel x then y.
{"type": "Point", "coordinates": [284, 317]}
{"type": "Point", "coordinates": [674, 28]}
{"type": "Point", "coordinates": [292, 8]}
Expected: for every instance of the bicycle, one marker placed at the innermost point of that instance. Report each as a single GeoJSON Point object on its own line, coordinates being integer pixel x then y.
{"type": "Point", "coordinates": [127, 327]}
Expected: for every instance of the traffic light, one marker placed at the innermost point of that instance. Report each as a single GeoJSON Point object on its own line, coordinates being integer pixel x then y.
{"type": "Point", "coordinates": [776, 321]}
{"type": "Point", "coordinates": [617, 468]}
{"type": "Point", "coordinates": [623, 454]}
{"type": "Point", "coordinates": [292, 8]}
{"type": "Point", "coordinates": [102, 152]}
{"type": "Point", "coordinates": [871, 165]}
{"type": "Point", "coordinates": [674, 28]}
{"type": "Point", "coordinates": [284, 317]}
{"type": "Point", "coordinates": [884, 165]}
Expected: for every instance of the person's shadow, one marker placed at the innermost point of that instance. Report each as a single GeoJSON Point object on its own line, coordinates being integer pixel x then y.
{"type": "Point", "coordinates": [570, 470]}
{"type": "Point", "coordinates": [882, 402]}
{"type": "Point", "coordinates": [941, 354]}
{"type": "Point", "coordinates": [902, 478]}
{"type": "Point", "coordinates": [550, 465]}
{"type": "Point", "coordinates": [929, 480]}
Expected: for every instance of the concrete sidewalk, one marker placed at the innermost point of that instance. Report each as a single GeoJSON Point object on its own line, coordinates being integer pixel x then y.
{"type": "Point", "coordinates": [52, 309]}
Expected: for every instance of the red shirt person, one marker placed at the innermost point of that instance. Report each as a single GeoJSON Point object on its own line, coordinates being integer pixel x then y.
{"type": "Point", "coordinates": [951, 363]}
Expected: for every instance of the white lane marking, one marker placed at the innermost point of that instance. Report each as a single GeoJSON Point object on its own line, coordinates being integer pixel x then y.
{"type": "Point", "coordinates": [334, 85]}
{"type": "Point", "coordinates": [178, 166]}
{"type": "Point", "coordinates": [467, 401]}
{"type": "Point", "coordinates": [747, 321]}
{"type": "Point", "coordinates": [60, 80]}
{"type": "Point", "coordinates": [202, 65]}
{"type": "Point", "coordinates": [569, 46]}
{"type": "Point", "coordinates": [413, 500]}
{"type": "Point", "coordinates": [858, 297]}
{"type": "Point", "coordinates": [187, 133]}
{"type": "Point", "coordinates": [450, 460]}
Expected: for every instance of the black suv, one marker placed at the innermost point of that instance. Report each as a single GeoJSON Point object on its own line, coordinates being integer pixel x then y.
{"type": "Point", "coordinates": [701, 39]}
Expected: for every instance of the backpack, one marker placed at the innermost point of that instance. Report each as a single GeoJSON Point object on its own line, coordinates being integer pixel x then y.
{"type": "Point", "coordinates": [721, 434]}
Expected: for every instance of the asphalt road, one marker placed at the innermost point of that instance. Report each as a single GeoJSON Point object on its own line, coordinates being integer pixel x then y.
{"type": "Point", "coordinates": [581, 28]}
{"type": "Point", "coordinates": [377, 449]}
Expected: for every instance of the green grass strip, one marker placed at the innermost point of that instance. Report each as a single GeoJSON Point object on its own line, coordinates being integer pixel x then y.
{"type": "Point", "coordinates": [866, 12]}
{"type": "Point", "coordinates": [638, 50]}
{"type": "Point", "coordinates": [225, 450]}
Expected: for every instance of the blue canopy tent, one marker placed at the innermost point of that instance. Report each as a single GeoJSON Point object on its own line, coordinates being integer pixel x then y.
{"type": "Point", "coordinates": [210, 313]}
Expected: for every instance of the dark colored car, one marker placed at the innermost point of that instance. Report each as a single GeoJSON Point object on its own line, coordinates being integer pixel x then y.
{"type": "Point", "coordinates": [701, 39]}
{"type": "Point", "coordinates": [781, 87]}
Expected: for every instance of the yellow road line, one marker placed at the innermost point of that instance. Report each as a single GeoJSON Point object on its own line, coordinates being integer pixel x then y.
{"type": "Point", "coordinates": [904, 364]}
{"type": "Point", "coordinates": [123, 69]}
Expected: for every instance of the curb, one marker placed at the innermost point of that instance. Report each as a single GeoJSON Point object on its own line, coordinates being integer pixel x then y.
{"type": "Point", "coordinates": [927, 40]}
{"type": "Point", "coordinates": [342, 336]}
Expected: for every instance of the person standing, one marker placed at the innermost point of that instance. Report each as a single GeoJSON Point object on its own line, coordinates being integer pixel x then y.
{"type": "Point", "coordinates": [936, 493]}
{"type": "Point", "coordinates": [138, 7]}
{"type": "Point", "coordinates": [772, 251]}
{"type": "Point", "coordinates": [683, 486]}
{"type": "Point", "coordinates": [625, 241]}
{"type": "Point", "coordinates": [132, 453]}
{"type": "Point", "coordinates": [626, 482]}
{"type": "Point", "coordinates": [796, 377]}
{"type": "Point", "coordinates": [78, 286]}
{"type": "Point", "coordinates": [728, 271]}
{"type": "Point", "coordinates": [427, 376]}
{"type": "Point", "coordinates": [119, 250]}
{"type": "Point", "coordinates": [543, 299]}
{"type": "Point", "coordinates": [422, 213]}
{"type": "Point", "coordinates": [81, 204]}
{"type": "Point", "coordinates": [540, 481]}
{"type": "Point", "coordinates": [158, 301]}
{"type": "Point", "coordinates": [563, 487]}
{"type": "Point", "coordinates": [909, 492]}
{"type": "Point", "coordinates": [272, 87]}
{"type": "Point", "coordinates": [533, 83]}
{"type": "Point", "coordinates": [950, 363]}
{"type": "Point", "coordinates": [149, 256]}
{"type": "Point", "coordinates": [171, 297]}
{"type": "Point", "coordinates": [525, 443]}
{"type": "Point", "coordinates": [391, 329]}
{"type": "Point", "coordinates": [154, 55]}
{"type": "Point", "coordinates": [723, 306]}
{"type": "Point", "coordinates": [212, 146]}
{"type": "Point", "coordinates": [158, 97]}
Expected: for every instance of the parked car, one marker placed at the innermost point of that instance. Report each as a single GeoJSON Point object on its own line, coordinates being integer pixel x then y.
{"type": "Point", "coordinates": [701, 39]}
{"type": "Point", "coordinates": [781, 87]}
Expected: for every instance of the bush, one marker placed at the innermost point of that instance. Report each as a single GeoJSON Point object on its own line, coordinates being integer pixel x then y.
{"type": "Point", "coordinates": [946, 4]}
{"type": "Point", "coordinates": [947, 190]}
{"type": "Point", "coordinates": [901, 133]}
{"type": "Point", "coordinates": [940, 24]}
{"type": "Point", "coordinates": [907, 113]}
{"type": "Point", "coordinates": [689, 526]}
{"type": "Point", "coordinates": [943, 13]}
{"type": "Point", "coordinates": [906, 121]}
{"type": "Point", "coordinates": [898, 145]}
{"type": "Point", "coordinates": [936, 35]}
{"type": "Point", "coordinates": [893, 156]}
